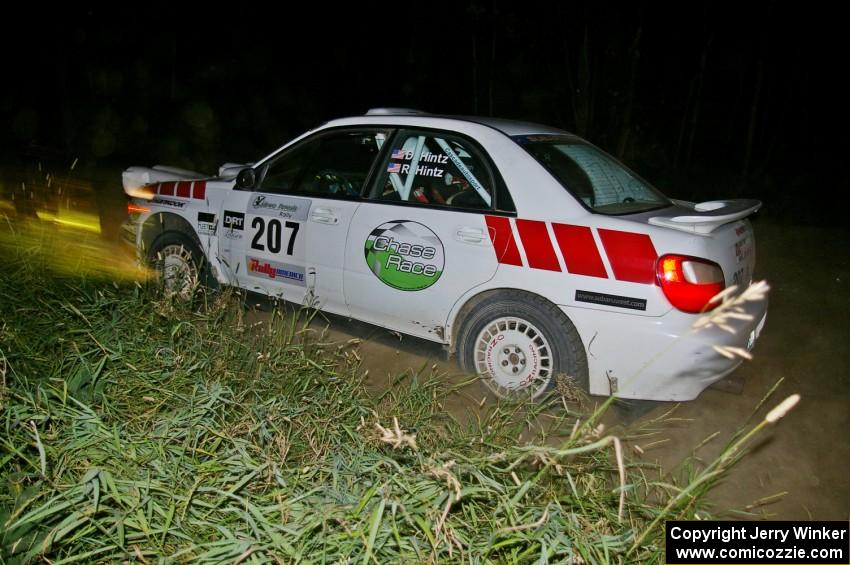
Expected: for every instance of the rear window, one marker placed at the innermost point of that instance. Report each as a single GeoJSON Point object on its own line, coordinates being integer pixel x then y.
{"type": "Point", "coordinates": [598, 180]}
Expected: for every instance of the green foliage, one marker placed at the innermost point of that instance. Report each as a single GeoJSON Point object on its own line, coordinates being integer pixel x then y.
{"type": "Point", "coordinates": [135, 428]}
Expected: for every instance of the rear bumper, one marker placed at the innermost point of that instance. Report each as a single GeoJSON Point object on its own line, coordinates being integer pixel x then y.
{"type": "Point", "coordinates": [660, 358]}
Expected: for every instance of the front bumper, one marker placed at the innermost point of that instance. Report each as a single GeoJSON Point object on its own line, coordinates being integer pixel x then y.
{"type": "Point", "coordinates": [128, 237]}
{"type": "Point", "coordinates": [661, 358]}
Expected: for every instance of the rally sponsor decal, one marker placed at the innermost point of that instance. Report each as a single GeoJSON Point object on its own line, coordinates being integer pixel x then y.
{"type": "Point", "coordinates": [234, 220]}
{"type": "Point", "coordinates": [405, 255]}
{"type": "Point", "coordinates": [206, 223]}
{"type": "Point", "coordinates": [234, 224]}
{"type": "Point", "coordinates": [610, 300]}
{"type": "Point", "coordinates": [743, 249]}
{"type": "Point", "coordinates": [279, 206]}
{"type": "Point", "coordinates": [169, 203]}
{"type": "Point", "coordinates": [464, 170]}
{"type": "Point", "coordinates": [273, 270]}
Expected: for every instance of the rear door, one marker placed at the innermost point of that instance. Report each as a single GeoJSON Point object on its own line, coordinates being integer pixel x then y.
{"type": "Point", "coordinates": [421, 240]}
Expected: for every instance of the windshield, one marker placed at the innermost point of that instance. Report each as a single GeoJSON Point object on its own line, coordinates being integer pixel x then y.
{"type": "Point", "coordinates": [601, 182]}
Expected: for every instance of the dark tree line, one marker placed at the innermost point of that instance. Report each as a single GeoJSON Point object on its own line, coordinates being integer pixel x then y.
{"type": "Point", "coordinates": [706, 100]}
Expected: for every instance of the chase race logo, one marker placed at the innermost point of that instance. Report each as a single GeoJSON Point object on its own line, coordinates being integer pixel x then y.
{"type": "Point", "coordinates": [405, 255]}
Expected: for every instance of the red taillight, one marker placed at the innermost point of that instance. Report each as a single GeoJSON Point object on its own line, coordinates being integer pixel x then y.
{"type": "Point", "coordinates": [690, 283]}
{"type": "Point", "coordinates": [136, 209]}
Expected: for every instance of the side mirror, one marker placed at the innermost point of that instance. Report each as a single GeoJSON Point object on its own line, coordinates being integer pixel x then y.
{"type": "Point", "coordinates": [246, 178]}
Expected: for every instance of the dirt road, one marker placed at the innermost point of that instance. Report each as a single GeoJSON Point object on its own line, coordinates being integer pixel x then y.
{"type": "Point", "coordinates": [806, 346]}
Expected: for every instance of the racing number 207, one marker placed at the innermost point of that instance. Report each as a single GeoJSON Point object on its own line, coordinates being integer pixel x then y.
{"type": "Point", "coordinates": [273, 235]}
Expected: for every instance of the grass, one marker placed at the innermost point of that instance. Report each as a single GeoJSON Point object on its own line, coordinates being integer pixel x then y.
{"type": "Point", "coordinates": [138, 429]}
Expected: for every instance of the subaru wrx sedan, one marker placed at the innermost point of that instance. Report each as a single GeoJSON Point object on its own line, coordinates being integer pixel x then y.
{"type": "Point", "coordinates": [526, 251]}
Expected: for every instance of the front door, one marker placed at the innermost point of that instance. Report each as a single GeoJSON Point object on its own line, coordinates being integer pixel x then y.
{"type": "Point", "coordinates": [287, 236]}
{"type": "Point", "coordinates": [336, 175]}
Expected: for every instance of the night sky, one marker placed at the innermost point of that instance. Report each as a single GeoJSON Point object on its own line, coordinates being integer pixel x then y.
{"type": "Point", "coordinates": [706, 100]}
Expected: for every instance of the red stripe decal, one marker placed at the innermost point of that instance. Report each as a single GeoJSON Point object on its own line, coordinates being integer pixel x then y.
{"type": "Point", "coordinates": [184, 189]}
{"type": "Point", "coordinates": [200, 189]}
{"type": "Point", "coordinates": [167, 189]}
{"type": "Point", "coordinates": [502, 237]}
{"type": "Point", "coordinates": [579, 250]}
{"type": "Point", "coordinates": [632, 255]}
{"type": "Point", "coordinates": [538, 246]}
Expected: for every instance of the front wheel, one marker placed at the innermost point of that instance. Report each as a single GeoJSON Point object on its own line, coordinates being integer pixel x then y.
{"type": "Point", "coordinates": [179, 264]}
{"type": "Point", "coordinates": [520, 345]}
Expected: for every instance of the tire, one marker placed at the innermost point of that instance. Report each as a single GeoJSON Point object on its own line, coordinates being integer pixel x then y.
{"type": "Point", "coordinates": [520, 344]}
{"type": "Point", "coordinates": [179, 264]}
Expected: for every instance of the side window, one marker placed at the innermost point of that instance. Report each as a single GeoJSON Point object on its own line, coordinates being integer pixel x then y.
{"type": "Point", "coordinates": [335, 164]}
{"type": "Point", "coordinates": [283, 172]}
{"type": "Point", "coordinates": [607, 181]}
{"type": "Point", "coordinates": [598, 180]}
{"type": "Point", "coordinates": [434, 169]}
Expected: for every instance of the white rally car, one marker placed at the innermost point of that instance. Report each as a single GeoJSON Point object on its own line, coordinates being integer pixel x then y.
{"type": "Point", "coordinates": [522, 248]}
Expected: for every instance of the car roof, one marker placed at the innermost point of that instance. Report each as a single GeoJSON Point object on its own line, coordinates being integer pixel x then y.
{"type": "Point", "coordinates": [508, 127]}
{"type": "Point", "coordinates": [512, 127]}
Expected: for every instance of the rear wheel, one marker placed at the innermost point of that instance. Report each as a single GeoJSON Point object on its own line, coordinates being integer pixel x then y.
{"type": "Point", "coordinates": [520, 345]}
{"type": "Point", "coordinates": [179, 264]}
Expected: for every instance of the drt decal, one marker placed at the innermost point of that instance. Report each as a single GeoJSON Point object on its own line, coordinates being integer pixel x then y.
{"type": "Point", "coordinates": [405, 255]}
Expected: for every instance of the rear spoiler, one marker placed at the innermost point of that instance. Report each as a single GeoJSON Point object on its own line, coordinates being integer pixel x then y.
{"type": "Point", "coordinates": [135, 178]}
{"type": "Point", "coordinates": [708, 216]}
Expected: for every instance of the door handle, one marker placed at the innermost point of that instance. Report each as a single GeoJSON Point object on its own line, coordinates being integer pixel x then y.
{"type": "Point", "coordinates": [470, 235]}
{"type": "Point", "coordinates": [324, 216]}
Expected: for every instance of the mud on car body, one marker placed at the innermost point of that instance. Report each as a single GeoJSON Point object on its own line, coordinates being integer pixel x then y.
{"type": "Point", "coordinates": [524, 249]}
